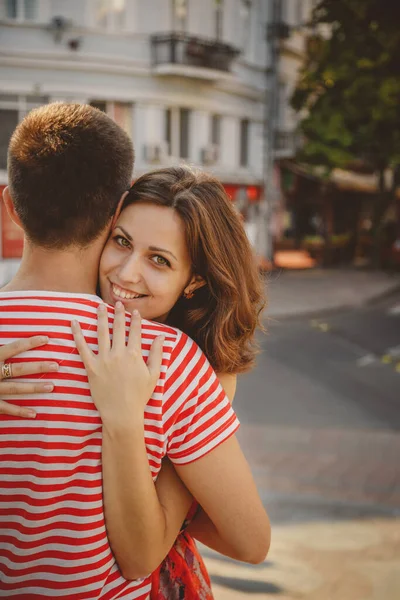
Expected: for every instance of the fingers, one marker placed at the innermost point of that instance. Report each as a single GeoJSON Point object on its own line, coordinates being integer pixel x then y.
{"type": "Point", "coordinates": [135, 334]}
{"type": "Point", "coordinates": [85, 352]}
{"type": "Point", "coordinates": [13, 388]}
{"type": "Point", "coordinates": [103, 333]}
{"type": "Point", "coordinates": [155, 358]}
{"type": "Point", "coordinates": [119, 328]}
{"type": "Point", "coordinates": [16, 411]}
{"type": "Point", "coordinates": [10, 350]}
{"type": "Point", "coordinates": [32, 368]}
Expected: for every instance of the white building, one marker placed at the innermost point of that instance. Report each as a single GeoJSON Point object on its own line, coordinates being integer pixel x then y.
{"type": "Point", "coordinates": [185, 78]}
{"type": "Point", "coordinates": [294, 16]}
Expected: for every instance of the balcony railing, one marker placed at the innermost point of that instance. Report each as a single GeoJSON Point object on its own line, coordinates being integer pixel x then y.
{"type": "Point", "coordinates": [182, 49]}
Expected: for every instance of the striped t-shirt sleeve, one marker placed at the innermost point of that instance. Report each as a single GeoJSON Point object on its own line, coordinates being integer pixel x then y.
{"type": "Point", "coordinates": [197, 413]}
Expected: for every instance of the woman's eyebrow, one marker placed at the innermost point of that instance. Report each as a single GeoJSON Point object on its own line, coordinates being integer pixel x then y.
{"type": "Point", "coordinates": [126, 234]}
{"type": "Point", "coordinates": [156, 249]}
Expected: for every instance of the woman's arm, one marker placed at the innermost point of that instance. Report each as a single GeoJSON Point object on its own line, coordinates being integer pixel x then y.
{"type": "Point", "coordinates": [174, 496]}
{"type": "Point", "coordinates": [141, 520]}
{"type": "Point", "coordinates": [9, 387]}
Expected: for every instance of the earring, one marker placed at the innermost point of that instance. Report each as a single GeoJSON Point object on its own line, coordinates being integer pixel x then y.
{"type": "Point", "coordinates": [188, 295]}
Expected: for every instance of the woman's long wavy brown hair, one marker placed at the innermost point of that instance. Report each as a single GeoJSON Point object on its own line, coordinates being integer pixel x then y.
{"type": "Point", "coordinates": [223, 315]}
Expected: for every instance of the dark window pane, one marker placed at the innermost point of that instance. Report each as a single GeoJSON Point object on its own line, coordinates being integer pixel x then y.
{"type": "Point", "coordinates": [8, 122]}
{"type": "Point", "coordinates": [168, 129]}
{"type": "Point", "coordinates": [184, 116]}
{"type": "Point", "coordinates": [219, 15]}
{"type": "Point", "coordinates": [216, 130]}
{"type": "Point", "coordinates": [244, 143]}
{"type": "Point", "coordinates": [30, 8]}
{"type": "Point", "coordinates": [100, 104]}
{"type": "Point", "coordinates": [11, 12]}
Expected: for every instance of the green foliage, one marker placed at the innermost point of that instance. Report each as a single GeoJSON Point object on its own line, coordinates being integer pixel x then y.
{"type": "Point", "coordinates": [350, 85]}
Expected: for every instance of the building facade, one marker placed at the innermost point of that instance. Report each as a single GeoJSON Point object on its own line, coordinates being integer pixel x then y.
{"type": "Point", "coordinates": [186, 79]}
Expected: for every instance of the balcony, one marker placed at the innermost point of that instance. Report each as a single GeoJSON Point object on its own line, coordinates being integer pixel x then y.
{"type": "Point", "coordinates": [181, 54]}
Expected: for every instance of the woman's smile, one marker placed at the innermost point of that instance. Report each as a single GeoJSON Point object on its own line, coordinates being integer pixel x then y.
{"type": "Point", "coordinates": [146, 263]}
{"type": "Point", "coordinates": [124, 294]}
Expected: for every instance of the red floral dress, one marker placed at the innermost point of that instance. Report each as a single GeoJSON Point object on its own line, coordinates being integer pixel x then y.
{"type": "Point", "coordinates": [182, 575]}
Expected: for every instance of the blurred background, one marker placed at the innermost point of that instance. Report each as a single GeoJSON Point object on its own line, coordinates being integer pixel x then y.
{"type": "Point", "coordinates": [294, 106]}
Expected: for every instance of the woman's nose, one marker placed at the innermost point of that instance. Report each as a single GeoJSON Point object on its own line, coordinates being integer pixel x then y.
{"type": "Point", "coordinates": [129, 270]}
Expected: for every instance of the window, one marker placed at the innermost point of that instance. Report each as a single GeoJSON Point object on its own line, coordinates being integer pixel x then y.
{"type": "Point", "coordinates": [8, 122]}
{"type": "Point", "coordinates": [299, 13]}
{"type": "Point", "coordinates": [18, 10]}
{"type": "Point", "coordinates": [100, 104]}
{"type": "Point", "coordinates": [179, 15]}
{"type": "Point", "coordinates": [177, 132]}
{"type": "Point", "coordinates": [184, 118]}
{"type": "Point", "coordinates": [120, 112]}
{"type": "Point", "coordinates": [168, 130]}
{"type": "Point", "coordinates": [219, 16]}
{"type": "Point", "coordinates": [216, 130]}
{"type": "Point", "coordinates": [244, 142]}
{"type": "Point", "coordinates": [245, 25]}
{"type": "Point", "coordinates": [13, 108]}
{"type": "Point", "coordinates": [110, 15]}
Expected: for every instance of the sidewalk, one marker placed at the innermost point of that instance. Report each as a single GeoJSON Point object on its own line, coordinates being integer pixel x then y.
{"type": "Point", "coordinates": [333, 497]}
{"type": "Point", "coordinates": [309, 292]}
{"type": "Point", "coordinates": [333, 494]}
{"type": "Point", "coordinates": [340, 560]}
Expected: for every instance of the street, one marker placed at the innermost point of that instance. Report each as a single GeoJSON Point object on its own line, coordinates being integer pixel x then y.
{"type": "Point", "coordinates": [320, 426]}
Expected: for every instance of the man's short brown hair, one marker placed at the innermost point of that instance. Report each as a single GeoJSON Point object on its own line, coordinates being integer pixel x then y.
{"type": "Point", "coordinates": [68, 165]}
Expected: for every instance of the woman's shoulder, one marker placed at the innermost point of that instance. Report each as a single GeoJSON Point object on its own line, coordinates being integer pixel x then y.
{"type": "Point", "coordinates": [228, 382]}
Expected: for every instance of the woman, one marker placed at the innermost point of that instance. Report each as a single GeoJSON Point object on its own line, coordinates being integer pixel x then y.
{"type": "Point", "coordinates": [178, 254]}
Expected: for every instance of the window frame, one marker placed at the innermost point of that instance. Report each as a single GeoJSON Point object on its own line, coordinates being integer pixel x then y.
{"type": "Point", "coordinates": [111, 23]}
{"type": "Point", "coordinates": [21, 12]}
{"type": "Point", "coordinates": [216, 126]}
{"type": "Point", "coordinates": [21, 105]}
{"type": "Point", "coordinates": [179, 23]}
{"type": "Point", "coordinates": [244, 143]}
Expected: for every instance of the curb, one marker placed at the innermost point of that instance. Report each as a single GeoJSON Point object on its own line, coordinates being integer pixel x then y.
{"type": "Point", "coordinates": [329, 311]}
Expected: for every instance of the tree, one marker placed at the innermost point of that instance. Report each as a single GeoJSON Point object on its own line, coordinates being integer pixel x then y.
{"type": "Point", "coordinates": [349, 90]}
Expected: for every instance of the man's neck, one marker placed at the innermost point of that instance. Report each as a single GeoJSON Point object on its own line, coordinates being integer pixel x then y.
{"type": "Point", "coordinates": [58, 271]}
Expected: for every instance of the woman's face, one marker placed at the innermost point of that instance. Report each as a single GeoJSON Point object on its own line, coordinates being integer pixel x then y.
{"type": "Point", "coordinates": [145, 263]}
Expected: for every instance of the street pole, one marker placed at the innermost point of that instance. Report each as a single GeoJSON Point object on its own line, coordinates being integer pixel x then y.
{"type": "Point", "coordinates": [276, 30]}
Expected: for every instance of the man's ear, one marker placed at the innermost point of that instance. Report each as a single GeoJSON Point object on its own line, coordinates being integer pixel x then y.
{"type": "Point", "coordinates": [194, 284]}
{"type": "Point", "coordinates": [9, 204]}
{"type": "Point", "coordinates": [118, 209]}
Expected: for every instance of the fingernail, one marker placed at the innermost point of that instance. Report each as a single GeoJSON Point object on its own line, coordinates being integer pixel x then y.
{"type": "Point", "coordinates": [118, 305]}
{"type": "Point", "coordinates": [43, 339]}
{"type": "Point", "coordinates": [101, 308]}
{"type": "Point", "coordinates": [135, 313]}
{"type": "Point", "coordinates": [74, 325]}
{"type": "Point", "coordinates": [54, 367]}
{"type": "Point", "coordinates": [30, 414]}
{"type": "Point", "coordinates": [48, 387]}
{"type": "Point", "coordinates": [161, 338]}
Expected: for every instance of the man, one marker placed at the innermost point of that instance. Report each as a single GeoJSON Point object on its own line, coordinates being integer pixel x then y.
{"type": "Point", "coordinates": [69, 166]}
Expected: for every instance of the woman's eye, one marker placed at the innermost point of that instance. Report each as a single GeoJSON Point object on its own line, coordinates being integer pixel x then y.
{"type": "Point", "coordinates": [161, 261]}
{"type": "Point", "coordinates": [121, 241]}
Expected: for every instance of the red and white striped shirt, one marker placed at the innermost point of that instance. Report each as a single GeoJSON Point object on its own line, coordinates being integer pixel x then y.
{"type": "Point", "coordinates": [53, 542]}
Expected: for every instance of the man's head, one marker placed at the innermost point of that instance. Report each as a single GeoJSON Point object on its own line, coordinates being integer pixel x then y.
{"type": "Point", "coordinates": [68, 166]}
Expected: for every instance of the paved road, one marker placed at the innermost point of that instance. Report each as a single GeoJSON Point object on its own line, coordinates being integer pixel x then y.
{"type": "Point", "coordinates": [321, 428]}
